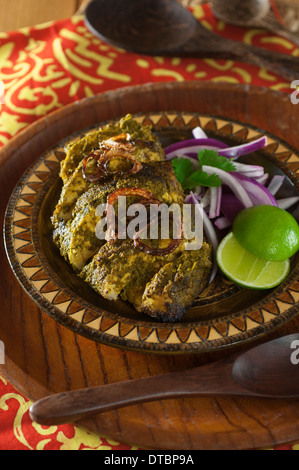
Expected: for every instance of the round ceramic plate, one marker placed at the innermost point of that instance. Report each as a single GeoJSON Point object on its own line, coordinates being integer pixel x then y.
{"type": "Point", "coordinates": [222, 316]}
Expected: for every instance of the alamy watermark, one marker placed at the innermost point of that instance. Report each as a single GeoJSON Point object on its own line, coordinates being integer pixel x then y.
{"type": "Point", "coordinates": [295, 354]}
{"type": "Point", "coordinates": [2, 352]}
{"type": "Point", "coordinates": [295, 94]}
{"type": "Point", "coordinates": [151, 221]}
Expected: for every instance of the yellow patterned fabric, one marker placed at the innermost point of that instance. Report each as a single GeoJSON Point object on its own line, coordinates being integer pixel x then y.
{"type": "Point", "coordinates": [45, 67]}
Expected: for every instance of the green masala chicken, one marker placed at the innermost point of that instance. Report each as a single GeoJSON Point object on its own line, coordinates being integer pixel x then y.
{"type": "Point", "coordinates": [158, 277]}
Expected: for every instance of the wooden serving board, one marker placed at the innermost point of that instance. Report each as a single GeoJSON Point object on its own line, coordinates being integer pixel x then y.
{"type": "Point", "coordinates": [44, 357]}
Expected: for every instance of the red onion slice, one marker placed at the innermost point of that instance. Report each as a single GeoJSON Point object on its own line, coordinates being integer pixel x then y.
{"type": "Point", "coordinates": [288, 202]}
{"type": "Point", "coordinates": [222, 223]}
{"type": "Point", "coordinates": [215, 204]}
{"type": "Point", "coordinates": [252, 171]}
{"type": "Point", "coordinates": [233, 183]}
{"type": "Point", "coordinates": [263, 179]}
{"type": "Point", "coordinates": [198, 133]}
{"type": "Point", "coordinates": [210, 234]}
{"type": "Point", "coordinates": [244, 149]}
{"type": "Point", "coordinates": [197, 144]}
{"type": "Point", "coordinates": [275, 184]}
{"type": "Point", "coordinates": [192, 146]}
{"type": "Point", "coordinates": [259, 194]}
{"type": "Point", "coordinates": [231, 206]}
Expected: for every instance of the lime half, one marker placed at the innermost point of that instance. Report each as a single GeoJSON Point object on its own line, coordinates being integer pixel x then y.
{"type": "Point", "coordinates": [246, 269]}
{"type": "Point", "coordinates": [268, 232]}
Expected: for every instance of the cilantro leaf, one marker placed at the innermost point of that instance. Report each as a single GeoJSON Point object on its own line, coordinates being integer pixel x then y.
{"type": "Point", "coordinates": [201, 178]}
{"type": "Point", "coordinates": [211, 158]}
{"type": "Point", "coordinates": [183, 168]}
{"type": "Point", "coordinates": [190, 178]}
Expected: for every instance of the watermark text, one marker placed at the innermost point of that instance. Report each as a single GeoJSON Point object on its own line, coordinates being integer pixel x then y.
{"type": "Point", "coordinates": [295, 94]}
{"type": "Point", "coordinates": [2, 352]}
{"type": "Point", "coordinates": [295, 354]}
{"type": "Point", "coordinates": [151, 221]}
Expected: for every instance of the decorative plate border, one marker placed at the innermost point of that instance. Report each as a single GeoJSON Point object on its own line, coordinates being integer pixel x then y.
{"type": "Point", "coordinates": [48, 291]}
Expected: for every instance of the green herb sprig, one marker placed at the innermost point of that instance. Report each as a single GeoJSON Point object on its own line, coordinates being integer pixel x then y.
{"type": "Point", "coordinates": [190, 178]}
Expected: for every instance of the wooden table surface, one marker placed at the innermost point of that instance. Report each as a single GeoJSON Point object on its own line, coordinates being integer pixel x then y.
{"type": "Point", "coordinates": [16, 14]}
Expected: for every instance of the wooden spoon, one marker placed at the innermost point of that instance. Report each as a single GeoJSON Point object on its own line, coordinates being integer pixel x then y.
{"type": "Point", "coordinates": [164, 27]}
{"type": "Point", "coordinates": [252, 14]}
{"type": "Point", "coordinates": [270, 370]}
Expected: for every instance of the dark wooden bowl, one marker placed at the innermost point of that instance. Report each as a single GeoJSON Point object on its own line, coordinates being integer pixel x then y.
{"type": "Point", "coordinates": [63, 339]}
{"type": "Point", "coordinates": [223, 315]}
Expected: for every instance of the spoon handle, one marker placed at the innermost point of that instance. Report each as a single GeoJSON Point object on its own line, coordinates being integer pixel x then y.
{"type": "Point", "coordinates": [281, 64]}
{"type": "Point", "coordinates": [271, 23]}
{"type": "Point", "coordinates": [265, 371]}
{"type": "Point", "coordinates": [71, 406]}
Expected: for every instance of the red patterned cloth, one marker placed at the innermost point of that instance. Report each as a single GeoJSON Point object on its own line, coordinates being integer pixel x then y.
{"type": "Point", "coordinates": [48, 66]}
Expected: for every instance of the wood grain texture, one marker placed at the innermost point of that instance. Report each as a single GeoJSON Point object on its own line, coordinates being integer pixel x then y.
{"type": "Point", "coordinates": [43, 357]}
{"type": "Point", "coordinates": [265, 371]}
{"type": "Point", "coordinates": [255, 14]}
{"type": "Point", "coordinates": [15, 14]}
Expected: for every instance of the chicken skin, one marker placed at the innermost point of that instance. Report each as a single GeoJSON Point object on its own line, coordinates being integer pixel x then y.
{"type": "Point", "coordinates": [160, 278]}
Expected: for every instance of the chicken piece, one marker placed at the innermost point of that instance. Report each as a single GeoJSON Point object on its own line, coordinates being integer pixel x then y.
{"type": "Point", "coordinates": [119, 267]}
{"type": "Point", "coordinates": [176, 285]}
{"type": "Point", "coordinates": [76, 152]}
{"type": "Point", "coordinates": [75, 184]}
{"type": "Point", "coordinates": [71, 191]}
{"type": "Point", "coordinates": [147, 146]}
{"type": "Point", "coordinates": [129, 161]}
{"type": "Point", "coordinates": [162, 287]}
{"type": "Point", "coordinates": [157, 178]}
{"type": "Point", "coordinates": [76, 238]}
